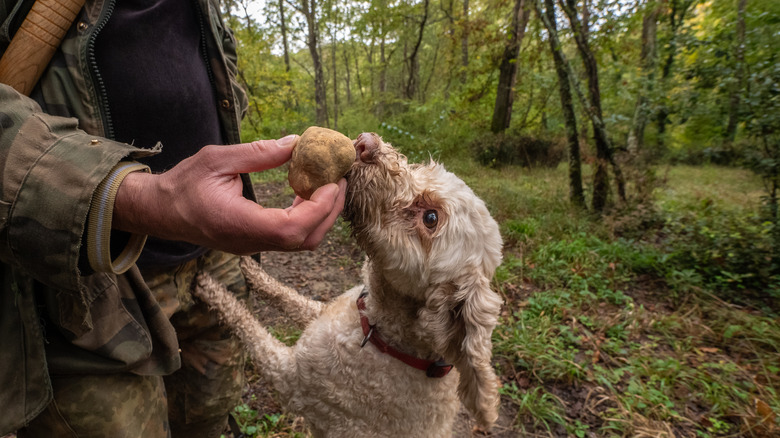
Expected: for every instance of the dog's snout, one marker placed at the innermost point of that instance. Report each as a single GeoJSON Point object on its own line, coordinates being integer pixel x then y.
{"type": "Point", "coordinates": [366, 146]}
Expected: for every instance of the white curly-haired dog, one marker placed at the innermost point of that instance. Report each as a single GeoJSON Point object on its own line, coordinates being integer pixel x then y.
{"type": "Point", "coordinates": [375, 360]}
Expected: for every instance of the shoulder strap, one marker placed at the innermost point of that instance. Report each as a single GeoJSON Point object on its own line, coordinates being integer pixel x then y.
{"type": "Point", "coordinates": [35, 42]}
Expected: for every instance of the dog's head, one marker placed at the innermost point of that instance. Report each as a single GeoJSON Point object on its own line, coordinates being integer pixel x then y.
{"type": "Point", "coordinates": [434, 240]}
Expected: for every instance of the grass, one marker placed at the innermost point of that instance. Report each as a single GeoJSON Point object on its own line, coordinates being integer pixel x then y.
{"type": "Point", "coordinates": [647, 322]}
{"type": "Point", "coordinates": [278, 174]}
{"type": "Point", "coordinates": [660, 349]}
{"type": "Point", "coordinates": [252, 423]}
{"type": "Point", "coordinates": [729, 189]}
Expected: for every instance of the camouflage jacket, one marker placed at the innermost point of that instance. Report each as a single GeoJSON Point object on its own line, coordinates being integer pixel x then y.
{"type": "Point", "coordinates": [50, 164]}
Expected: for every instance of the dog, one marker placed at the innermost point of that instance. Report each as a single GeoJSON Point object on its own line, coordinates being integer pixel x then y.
{"type": "Point", "coordinates": [397, 355]}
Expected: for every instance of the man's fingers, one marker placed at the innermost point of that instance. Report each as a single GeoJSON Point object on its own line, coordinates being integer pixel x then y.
{"type": "Point", "coordinates": [306, 218]}
{"type": "Point", "coordinates": [317, 208]}
{"type": "Point", "coordinates": [316, 236]}
{"type": "Point", "coordinates": [295, 228]}
{"type": "Point", "coordinates": [252, 157]}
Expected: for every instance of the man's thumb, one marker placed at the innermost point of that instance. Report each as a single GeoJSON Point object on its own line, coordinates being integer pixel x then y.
{"type": "Point", "coordinates": [256, 156]}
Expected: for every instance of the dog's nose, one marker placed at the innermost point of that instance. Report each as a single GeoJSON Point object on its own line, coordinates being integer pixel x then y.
{"type": "Point", "coordinates": [366, 146]}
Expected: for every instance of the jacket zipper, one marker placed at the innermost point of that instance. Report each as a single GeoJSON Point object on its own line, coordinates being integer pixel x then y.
{"type": "Point", "coordinates": [204, 50]}
{"type": "Point", "coordinates": [204, 53]}
{"type": "Point", "coordinates": [100, 86]}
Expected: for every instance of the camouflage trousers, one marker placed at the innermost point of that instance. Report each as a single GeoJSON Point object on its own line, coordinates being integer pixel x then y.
{"type": "Point", "coordinates": [192, 402]}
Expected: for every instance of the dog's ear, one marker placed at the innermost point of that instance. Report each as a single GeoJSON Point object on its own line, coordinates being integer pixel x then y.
{"type": "Point", "coordinates": [462, 316]}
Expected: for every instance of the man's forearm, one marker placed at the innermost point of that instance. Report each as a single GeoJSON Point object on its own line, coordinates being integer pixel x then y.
{"type": "Point", "coordinates": [201, 201]}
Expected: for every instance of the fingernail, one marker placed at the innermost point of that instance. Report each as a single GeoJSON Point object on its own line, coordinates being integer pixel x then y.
{"type": "Point", "coordinates": [287, 142]}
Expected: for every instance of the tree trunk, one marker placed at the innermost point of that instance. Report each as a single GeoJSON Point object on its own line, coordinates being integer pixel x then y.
{"type": "Point", "coordinates": [464, 44]}
{"type": "Point", "coordinates": [676, 19]}
{"type": "Point", "coordinates": [434, 63]}
{"type": "Point", "coordinates": [576, 194]}
{"type": "Point", "coordinates": [335, 83]}
{"type": "Point", "coordinates": [648, 62]}
{"type": "Point", "coordinates": [739, 80]}
{"type": "Point", "coordinates": [383, 64]}
{"type": "Point", "coordinates": [248, 17]}
{"type": "Point", "coordinates": [348, 78]}
{"type": "Point", "coordinates": [603, 147]}
{"type": "Point", "coordinates": [413, 58]}
{"type": "Point", "coordinates": [357, 75]}
{"type": "Point", "coordinates": [382, 86]}
{"type": "Point", "coordinates": [285, 44]}
{"type": "Point", "coordinates": [309, 11]}
{"type": "Point", "coordinates": [451, 32]}
{"type": "Point", "coordinates": [251, 90]}
{"type": "Point", "coordinates": [507, 77]}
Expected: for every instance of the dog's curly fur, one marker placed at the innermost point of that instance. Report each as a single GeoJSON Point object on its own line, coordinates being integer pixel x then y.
{"type": "Point", "coordinates": [432, 249]}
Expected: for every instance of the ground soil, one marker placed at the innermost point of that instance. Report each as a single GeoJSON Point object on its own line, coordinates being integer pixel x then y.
{"type": "Point", "coordinates": [322, 274]}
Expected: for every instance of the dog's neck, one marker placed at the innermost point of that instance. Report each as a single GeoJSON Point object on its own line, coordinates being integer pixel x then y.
{"type": "Point", "coordinates": [394, 314]}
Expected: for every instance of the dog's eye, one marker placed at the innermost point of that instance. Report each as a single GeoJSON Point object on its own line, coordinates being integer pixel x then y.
{"type": "Point", "coordinates": [430, 218]}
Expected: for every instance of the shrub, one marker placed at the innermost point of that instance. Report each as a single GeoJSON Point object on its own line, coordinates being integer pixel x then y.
{"type": "Point", "coordinates": [726, 154]}
{"type": "Point", "coordinates": [497, 150]}
{"type": "Point", "coordinates": [735, 255]}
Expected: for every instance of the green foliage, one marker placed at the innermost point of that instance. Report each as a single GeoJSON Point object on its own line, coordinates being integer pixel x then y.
{"type": "Point", "coordinates": [763, 103]}
{"type": "Point", "coordinates": [635, 322]}
{"type": "Point", "coordinates": [533, 340]}
{"type": "Point", "coordinates": [278, 174]}
{"type": "Point", "coordinates": [287, 334]}
{"type": "Point", "coordinates": [536, 406]}
{"type": "Point", "coordinates": [278, 104]}
{"type": "Point", "coordinates": [452, 107]}
{"type": "Point", "coordinates": [254, 424]}
{"type": "Point", "coordinates": [735, 255]}
{"type": "Point", "coordinates": [520, 230]}
{"type": "Point", "coordinates": [709, 75]}
{"type": "Point", "coordinates": [587, 264]}
{"type": "Point", "coordinates": [509, 148]}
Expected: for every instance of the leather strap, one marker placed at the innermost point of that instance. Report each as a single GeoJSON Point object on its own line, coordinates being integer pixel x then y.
{"type": "Point", "coordinates": [432, 368]}
{"type": "Point", "coordinates": [36, 41]}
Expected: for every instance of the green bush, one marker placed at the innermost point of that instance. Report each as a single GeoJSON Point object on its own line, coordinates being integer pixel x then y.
{"type": "Point", "coordinates": [719, 154]}
{"type": "Point", "coordinates": [498, 150]}
{"type": "Point", "coordinates": [735, 255]}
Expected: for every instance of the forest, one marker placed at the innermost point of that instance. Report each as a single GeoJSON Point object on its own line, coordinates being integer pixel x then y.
{"type": "Point", "coordinates": [630, 151]}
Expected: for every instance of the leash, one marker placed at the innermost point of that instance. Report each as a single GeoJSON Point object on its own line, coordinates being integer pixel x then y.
{"type": "Point", "coordinates": [36, 41]}
{"type": "Point", "coordinates": [433, 368]}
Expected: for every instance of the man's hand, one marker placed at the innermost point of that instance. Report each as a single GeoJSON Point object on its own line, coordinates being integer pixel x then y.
{"type": "Point", "coordinates": [199, 201]}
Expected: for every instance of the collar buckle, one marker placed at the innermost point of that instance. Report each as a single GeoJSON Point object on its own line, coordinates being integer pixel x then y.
{"type": "Point", "coordinates": [438, 369]}
{"type": "Point", "coordinates": [368, 336]}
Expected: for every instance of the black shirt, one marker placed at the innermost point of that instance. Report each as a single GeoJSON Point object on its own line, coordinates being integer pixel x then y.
{"type": "Point", "coordinates": [150, 59]}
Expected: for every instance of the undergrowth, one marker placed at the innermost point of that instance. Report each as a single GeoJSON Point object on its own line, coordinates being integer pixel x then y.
{"type": "Point", "coordinates": [669, 330]}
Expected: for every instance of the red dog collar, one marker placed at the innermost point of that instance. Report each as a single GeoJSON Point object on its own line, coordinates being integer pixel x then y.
{"type": "Point", "coordinates": [432, 368]}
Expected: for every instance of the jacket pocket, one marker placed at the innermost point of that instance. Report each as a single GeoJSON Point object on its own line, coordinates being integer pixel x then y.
{"type": "Point", "coordinates": [122, 329]}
